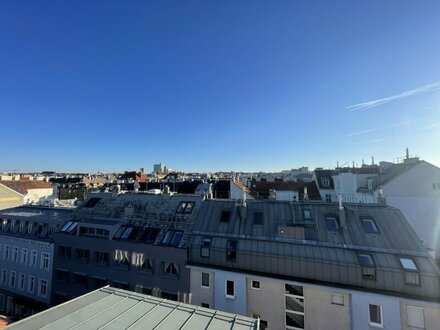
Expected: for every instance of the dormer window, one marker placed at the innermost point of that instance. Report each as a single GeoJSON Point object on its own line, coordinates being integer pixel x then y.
{"type": "Point", "coordinates": [185, 207]}
{"type": "Point", "coordinates": [332, 223]}
{"type": "Point", "coordinates": [326, 182]}
{"type": "Point", "coordinates": [370, 184]}
{"type": "Point", "coordinates": [307, 215]}
{"type": "Point", "coordinates": [370, 225]}
{"type": "Point", "coordinates": [411, 271]}
{"type": "Point", "coordinates": [205, 248]}
{"type": "Point", "coordinates": [368, 266]}
{"type": "Point", "coordinates": [172, 238]}
{"type": "Point", "coordinates": [231, 250]}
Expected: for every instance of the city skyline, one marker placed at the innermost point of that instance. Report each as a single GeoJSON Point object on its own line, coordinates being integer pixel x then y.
{"type": "Point", "coordinates": [231, 86]}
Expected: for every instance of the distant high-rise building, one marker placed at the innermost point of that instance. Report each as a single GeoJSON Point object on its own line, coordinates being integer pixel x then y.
{"type": "Point", "coordinates": [159, 168]}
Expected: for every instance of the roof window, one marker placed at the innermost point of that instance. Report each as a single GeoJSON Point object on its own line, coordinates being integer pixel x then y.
{"type": "Point", "coordinates": [205, 248]}
{"type": "Point", "coordinates": [370, 225]}
{"type": "Point", "coordinates": [258, 218]}
{"type": "Point", "coordinates": [365, 260]}
{"type": "Point", "coordinates": [92, 202]}
{"type": "Point", "coordinates": [185, 207]}
{"type": "Point", "coordinates": [408, 264]}
{"type": "Point", "coordinates": [225, 215]}
{"type": "Point", "coordinates": [332, 223]}
{"type": "Point", "coordinates": [172, 238]}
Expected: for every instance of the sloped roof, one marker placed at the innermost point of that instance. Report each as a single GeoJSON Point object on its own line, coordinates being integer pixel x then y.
{"type": "Point", "coordinates": [392, 172]}
{"type": "Point", "coordinates": [320, 254]}
{"type": "Point", "coordinates": [111, 308]}
{"type": "Point", "coordinates": [23, 186]}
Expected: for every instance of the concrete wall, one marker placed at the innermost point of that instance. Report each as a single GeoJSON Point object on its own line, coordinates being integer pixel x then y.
{"type": "Point", "coordinates": [233, 305]}
{"type": "Point", "coordinates": [431, 313]}
{"type": "Point", "coordinates": [320, 313]}
{"type": "Point", "coordinates": [201, 294]}
{"type": "Point", "coordinates": [287, 196]}
{"type": "Point", "coordinates": [236, 192]}
{"type": "Point", "coordinates": [38, 195]}
{"type": "Point", "coordinates": [267, 302]}
{"type": "Point", "coordinates": [360, 310]}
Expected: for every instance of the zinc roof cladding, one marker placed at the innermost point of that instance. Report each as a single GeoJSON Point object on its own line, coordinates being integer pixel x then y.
{"type": "Point", "coordinates": [36, 214]}
{"type": "Point", "coordinates": [110, 308]}
{"type": "Point", "coordinates": [23, 186]}
{"type": "Point", "coordinates": [325, 174]}
{"type": "Point", "coordinates": [392, 172]}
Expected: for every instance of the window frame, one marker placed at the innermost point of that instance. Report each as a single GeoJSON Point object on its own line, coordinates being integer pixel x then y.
{"type": "Point", "coordinates": [209, 280]}
{"type": "Point", "coordinates": [256, 287]}
{"type": "Point", "coordinates": [373, 222]}
{"type": "Point", "coordinates": [329, 218]}
{"type": "Point", "coordinates": [227, 295]}
{"type": "Point", "coordinates": [205, 248]}
{"type": "Point", "coordinates": [373, 323]}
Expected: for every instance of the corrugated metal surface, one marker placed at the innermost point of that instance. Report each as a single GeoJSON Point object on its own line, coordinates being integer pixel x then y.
{"type": "Point", "coordinates": [110, 308]}
{"type": "Point", "coordinates": [331, 257]}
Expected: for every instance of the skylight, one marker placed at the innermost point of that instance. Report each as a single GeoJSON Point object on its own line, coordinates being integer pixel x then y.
{"type": "Point", "coordinates": [408, 264]}
{"type": "Point", "coordinates": [370, 225]}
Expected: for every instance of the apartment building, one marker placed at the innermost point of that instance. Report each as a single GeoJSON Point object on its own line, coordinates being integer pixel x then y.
{"type": "Point", "coordinates": [313, 265]}
{"type": "Point", "coordinates": [135, 242]}
{"type": "Point", "coordinates": [26, 258]}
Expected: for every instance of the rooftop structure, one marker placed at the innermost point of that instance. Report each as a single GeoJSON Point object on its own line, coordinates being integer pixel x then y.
{"type": "Point", "coordinates": [111, 308]}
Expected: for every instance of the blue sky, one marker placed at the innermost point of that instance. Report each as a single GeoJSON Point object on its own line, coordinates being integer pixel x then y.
{"type": "Point", "coordinates": [217, 85]}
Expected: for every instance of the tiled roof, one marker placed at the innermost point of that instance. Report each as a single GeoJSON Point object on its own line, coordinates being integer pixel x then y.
{"type": "Point", "coordinates": [23, 186]}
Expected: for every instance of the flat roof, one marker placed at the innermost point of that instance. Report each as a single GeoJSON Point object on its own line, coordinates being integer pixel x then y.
{"type": "Point", "coordinates": [50, 215]}
{"type": "Point", "coordinates": [111, 308]}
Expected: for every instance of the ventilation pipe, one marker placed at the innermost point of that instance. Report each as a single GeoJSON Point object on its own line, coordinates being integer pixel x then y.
{"type": "Point", "coordinates": [342, 213]}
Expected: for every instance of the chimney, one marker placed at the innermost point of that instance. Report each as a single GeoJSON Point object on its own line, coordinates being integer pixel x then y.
{"type": "Point", "coordinates": [407, 153]}
{"type": "Point", "coordinates": [341, 213]}
{"type": "Point", "coordinates": [305, 193]}
{"type": "Point", "coordinates": [243, 207]}
{"type": "Point", "coordinates": [166, 190]}
{"type": "Point", "coordinates": [372, 160]}
{"type": "Point", "coordinates": [381, 198]}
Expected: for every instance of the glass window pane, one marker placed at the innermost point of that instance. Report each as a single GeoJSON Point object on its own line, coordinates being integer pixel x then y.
{"type": "Point", "coordinates": [295, 304]}
{"type": "Point", "coordinates": [295, 320]}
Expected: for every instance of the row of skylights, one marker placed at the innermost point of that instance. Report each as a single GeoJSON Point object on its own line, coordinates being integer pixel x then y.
{"type": "Point", "coordinates": [185, 207]}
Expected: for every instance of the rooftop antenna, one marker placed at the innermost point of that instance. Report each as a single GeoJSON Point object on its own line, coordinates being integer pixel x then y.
{"type": "Point", "coordinates": [407, 153]}
{"type": "Point", "coordinates": [372, 160]}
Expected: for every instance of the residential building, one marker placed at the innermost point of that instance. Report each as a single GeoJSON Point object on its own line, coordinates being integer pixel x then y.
{"type": "Point", "coordinates": [30, 191]}
{"type": "Point", "coordinates": [132, 241]}
{"type": "Point", "coordinates": [26, 255]}
{"type": "Point", "coordinates": [313, 265]}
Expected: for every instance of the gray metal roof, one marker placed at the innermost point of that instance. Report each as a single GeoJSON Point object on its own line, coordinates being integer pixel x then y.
{"type": "Point", "coordinates": [289, 245]}
{"type": "Point", "coordinates": [110, 308]}
{"type": "Point", "coordinates": [50, 215]}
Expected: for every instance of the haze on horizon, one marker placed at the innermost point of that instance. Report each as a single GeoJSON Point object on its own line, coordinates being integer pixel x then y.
{"type": "Point", "coordinates": [217, 86]}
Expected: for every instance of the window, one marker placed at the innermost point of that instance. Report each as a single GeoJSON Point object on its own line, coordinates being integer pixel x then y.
{"type": "Point", "coordinates": [255, 285]}
{"type": "Point", "coordinates": [172, 238]}
{"type": "Point", "coordinates": [258, 218]}
{"type": "Point", "coordinates": [408, 264]}
{"type": "Point", "coordinates": [205, 305]}
{"type": "Point", "coordinates": [42, 288]}
{"type": "Point", "coordinates": [436, 186]}
{"type": "Point", "coordinates": [170, 268]}
{"type": "Point", "coordinates": [205, 280]}
{"type": "Point", "coordinates": [143, 264]}
{"type": "Point", "coordinates": [80, 279]}
{"type": "Point", "coordinates": [82, 255]}
{"type": "Point", "coordinates": [44, 260]}
{"type": "Point", "coordinates": [370, 225]}
{"type": "Point", "coordinates": [15, 254]}
{"type": "Point", "coordinates": [375, 312]}
{"type": "Point", "coordinates": [12, 279]}
{"type": "Point", "coordinates": [69, 227]}
{"type": "Point", "coordinates": [62, 275]}
{"type": "Point", "coordinates": [31, 284]}
{"type": "Point", "coordinates": [4, 276]}
{"type": "Point", "coordinates": [332, 223]}
{"type": "Point", "coordinates": [337, 299]}
{"type": "Point", "coordinates": [149, 235]}
{"type": "Point", "coordinates": [21, 279]}
{"type": "Point", "coordinates": [6, 252]}
{"type": "Point", "coordinates": [24, 256]}
{"type": "Point", "coordinates": [122, 259]}
{"type": "Point", "coordinates": [33, 258]}
{"type": "Point", "coordinates": [370, 184]}
{"type": "Point", "coordinates": [169, 296]}
{"type": "Point", "coordinates": [205, 248]}
{"type": "Point", "coordinates": [185, 207]}
{"type": "Point", "coordinates": [231, 250]}
{"type": "Point", "coordinates": [230, 289]}
{"type": "Point", "coordinates": [101, 258]}
{"type": "Point", "coordinates": [307, 215]}
{"type": "Point", "coordinates": [225, 215]}
{"type": "Point", "coordinates": [325, 182]}
{"type": "Point", "coordinates": [416, 317]}
{"type": "Point", "coordinates": [368, 267]}
{"type": "Point", "coordinates": [294, 304]}
{"type": "Point", "coordinates": [328, 198]}
{"type": "Point", "coordinates": [64, 252]}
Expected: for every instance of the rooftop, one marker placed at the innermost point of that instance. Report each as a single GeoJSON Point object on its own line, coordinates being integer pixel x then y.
{"type": "Point", "coordinates": [23, 186]}
{"type": "Point", "coordinates": [110, 308]}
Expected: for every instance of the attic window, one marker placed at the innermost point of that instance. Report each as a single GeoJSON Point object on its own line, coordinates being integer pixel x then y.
{"type": "Point", "coordinates": [370, 225]}
{"type": "Point", "coordinates": [185, 207]}
{"type": "Point", "coordinates": [258, 218]}
{"type": "Point", "coordinates": [231, 250]}
{"type": "Point", "coordinates": [92, 202]}
{"type": "Point", "coordinates": [332, 223]}
{"type": "Point", "coordinates": [408, 264]}
{"type": "Point", "coordinates": [205, 248]}
{"type": "Point", "coordinates": [365, 260]}
{"type": "Point", "coordinates": [368, 266]}
{"type": "Point", "coordinates": [224, 217]}
{"type": "Point", "coordinates": [172, 238]}
{"type": "Point", "coordinates": [325, 182]}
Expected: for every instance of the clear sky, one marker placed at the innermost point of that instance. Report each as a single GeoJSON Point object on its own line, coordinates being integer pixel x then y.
{"type": "Point", "coordinates": [217, 85]}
